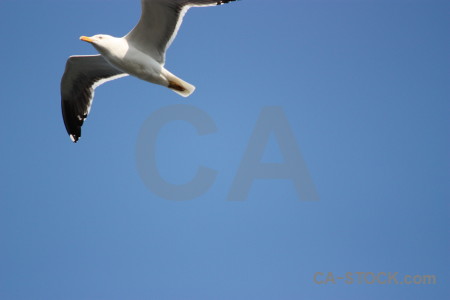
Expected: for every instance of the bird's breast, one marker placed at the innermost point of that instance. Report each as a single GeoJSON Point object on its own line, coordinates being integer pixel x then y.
{"type": "Point", "coordinates": [138, 64]}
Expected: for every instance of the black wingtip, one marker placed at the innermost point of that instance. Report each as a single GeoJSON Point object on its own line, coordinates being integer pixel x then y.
{"type": "Point", "coordinates": [224, 1]}
{"type": "Point", "coordinates": [74, 138]}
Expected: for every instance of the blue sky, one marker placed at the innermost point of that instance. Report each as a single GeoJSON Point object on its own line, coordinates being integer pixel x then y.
{"type": "Point", "coordinates": [365, 88]}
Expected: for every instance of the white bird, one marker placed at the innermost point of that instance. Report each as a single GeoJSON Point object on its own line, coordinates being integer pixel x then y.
{"type": "Point", "coordinates": [140, 53]}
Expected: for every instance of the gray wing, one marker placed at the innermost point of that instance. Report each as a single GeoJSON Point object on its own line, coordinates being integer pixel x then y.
{"type": "Point", "coordinates": [81, 76]}
{"type": "Point", "coordinates": [159, 24]}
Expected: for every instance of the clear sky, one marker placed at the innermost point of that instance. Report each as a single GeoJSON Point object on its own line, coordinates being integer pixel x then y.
{"type": "Point", "coordinates": [363, 88]}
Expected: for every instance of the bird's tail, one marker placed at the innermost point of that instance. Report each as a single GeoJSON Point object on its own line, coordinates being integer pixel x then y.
{"type": "Point", "coordinates": [178, 85]}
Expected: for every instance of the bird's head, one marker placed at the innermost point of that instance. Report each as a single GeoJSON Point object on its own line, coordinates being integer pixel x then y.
{"type": "Point", "coordinates": [99, 40]}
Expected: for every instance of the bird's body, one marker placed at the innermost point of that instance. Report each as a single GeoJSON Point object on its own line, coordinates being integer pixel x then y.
{"type": "Point", "coordinates": [141, 53]}
{"type": "Point", "coordinates": [125, 57]}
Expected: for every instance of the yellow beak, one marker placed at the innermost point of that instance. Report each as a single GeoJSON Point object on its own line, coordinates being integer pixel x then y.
{"type": "Point", "coordinates": [86, 39]}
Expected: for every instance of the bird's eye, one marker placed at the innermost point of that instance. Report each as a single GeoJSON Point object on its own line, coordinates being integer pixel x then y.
{"type": "Point", "coordinates": [100, 37]}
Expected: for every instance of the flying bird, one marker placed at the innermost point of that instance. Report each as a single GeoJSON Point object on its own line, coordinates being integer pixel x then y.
{"type": "Point", "coordinates": [140, 53]}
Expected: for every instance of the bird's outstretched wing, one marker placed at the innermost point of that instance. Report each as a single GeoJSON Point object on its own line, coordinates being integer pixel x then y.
{"type": "Point", "coordinates": [81, 76]}
{"type": "Point", "coordinates": [159, 24]}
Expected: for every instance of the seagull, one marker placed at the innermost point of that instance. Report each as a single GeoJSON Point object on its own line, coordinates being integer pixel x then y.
{"type": "Point", "coordinates": [140, 53]}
